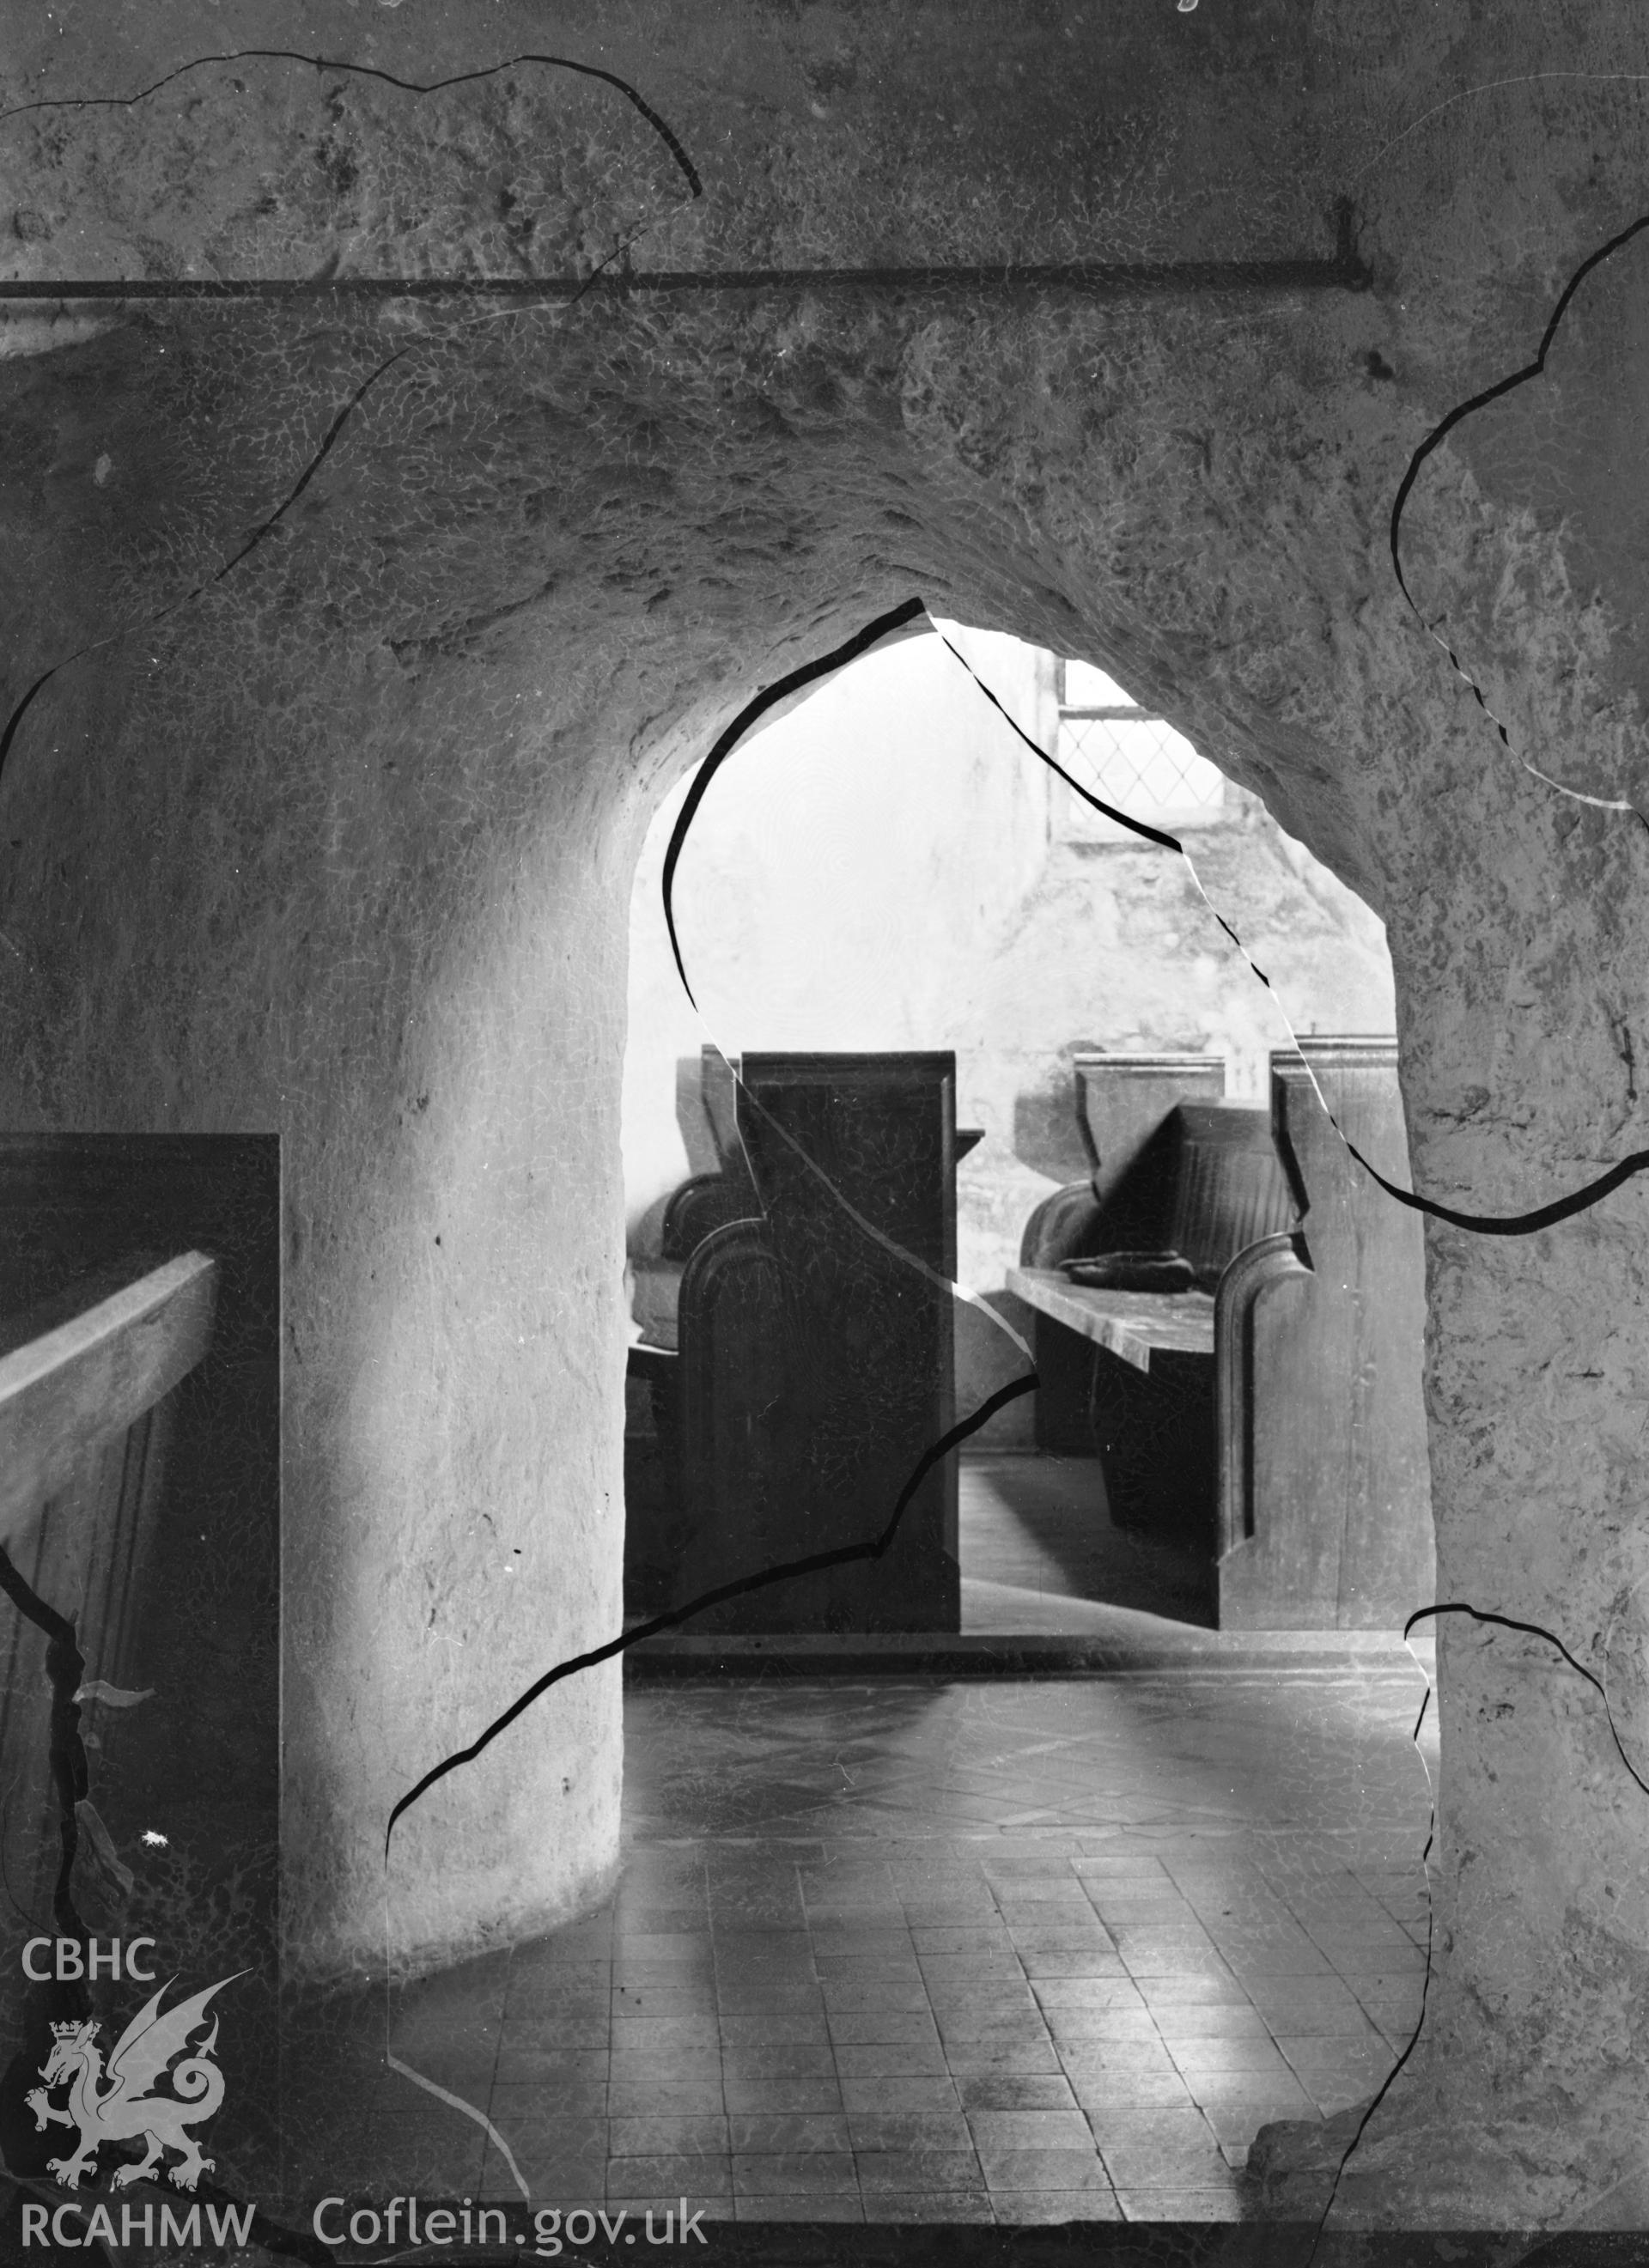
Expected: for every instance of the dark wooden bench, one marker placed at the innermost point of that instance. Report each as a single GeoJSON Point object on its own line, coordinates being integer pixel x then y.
{"type": "Point", "coordinates": [1326, 1509]}
{"type": "Point", "coordinates": [1207, 1184]}
{"type": "Point", "coordinates": [658, 1529]}
{"type": "Point", "coordinates": [1120, 1102]}
{"type": "Point", "coordinates": [798, 1366]}
{"type": "Point", "coordinates": [1281, 1416]}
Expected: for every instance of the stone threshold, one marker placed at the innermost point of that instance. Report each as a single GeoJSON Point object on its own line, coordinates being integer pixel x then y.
{"type": "Point", "coordinates": [993, 1654]}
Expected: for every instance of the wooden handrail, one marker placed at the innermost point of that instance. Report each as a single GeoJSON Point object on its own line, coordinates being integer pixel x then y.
{"type": "Point", "coordinates": [90, 1379]}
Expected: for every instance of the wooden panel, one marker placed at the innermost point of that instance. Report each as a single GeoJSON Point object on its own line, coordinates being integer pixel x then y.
{"type": "Point", "coordinates": [1230, 1187]}
{"type": "Point", "coordinates": [1207, 1181]}
{"type": "Point", "coordinates": [854, 1160]}
{"type": "Point", "coordinates": [879, 1129]}
{"type": "Point", "coordinates": [1123, 1099]}
{"type": "Point", "coordinates": [163, 1547]}
{"type": "Point", "coordinates": [718, 1089]}
{"type": "Point", "coordinates": [89, 1380]}
{"type": "Point", "coordinates": [652, 1483]}
{"type": "Point", "coordinates": [82, 1548]}
{"type": "Point", "coordinates": [1341, 1499]}
{"type": "Point", "coordinates": [1156, 1436]}
{"type": "Point", "coordinates": [1133, 1325]}
{"type": "Point", "coordinates": [1279, 1556]}
{"type": "Point", "coordinates": [83, 1429]}
{"type": "Point", "coordinates": [71, 1208]}
{"type": "Point", "coordinates": [1119, 1100]}
{"type": "Point", "coordinates": [817, 1362]}
{"type": "Point", "coordinates": [1061, 1227]}
{"type": "Point", "coordinates": [707, 1201]}
{"type": "Point", "coordinates": [1065, 1369]}
{"type": "Point", "coordinates": [730, 1515]}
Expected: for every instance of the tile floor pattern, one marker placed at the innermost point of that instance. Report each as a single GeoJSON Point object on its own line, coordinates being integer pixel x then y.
{"type": "Point", "coordinates": [930, 1950]}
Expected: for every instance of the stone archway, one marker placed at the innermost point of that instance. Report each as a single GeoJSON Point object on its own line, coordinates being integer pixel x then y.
{"type": "Point", "coordinates": [336, 839]}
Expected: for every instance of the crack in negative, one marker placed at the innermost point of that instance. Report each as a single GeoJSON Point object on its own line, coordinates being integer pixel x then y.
{"type": "Point", "coordinates": [265, 528]}
{"type": "Point", "coordinates": [71, 1777]}
{"type": "Point", "coordinates": [1536, 1630]}
{"type": "Point", "coordinates": [65, 1668]}
{"type": "Point", "coordinates": [470, 2111]}
{"type": "Point", "coordinates": [329, 440]}
{"type": "Point", "coordinates": [1425, 1983]}
{"type": "Point", "coordinates": [851, 650]}
{"type": "Point", "coordinates": [321, 62]}
{"type": "Point", "coordinates": [1434, 440]}
{"type": "Point", "coordinates": [304, 478]}
{"type": "Point", "coordinates": [1531, 1630]}
{"type": "Point", "coordinates": [816, 1562]}
{"type": "Point", "coordinates": [369, 71]}
{"type": "Point", "coordinates": [1523, 1224]}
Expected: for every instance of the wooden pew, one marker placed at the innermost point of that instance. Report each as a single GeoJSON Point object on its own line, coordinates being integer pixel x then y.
{"type": "Point", "coordinates": [1121, 1100]}
{"type": "Point", "coordinates": [657, 1531]}
{"type": "Point", "coordinates": [1326, 1513]}
{"type": "Point", "coordinates": [811, 1365]}
{"type": "Point", "coordinates": [84, 1409]}
{"type": "Point", "coordinates": [1208, 1184]}
{"type": "Point", "coordinates": [1280, 1422]}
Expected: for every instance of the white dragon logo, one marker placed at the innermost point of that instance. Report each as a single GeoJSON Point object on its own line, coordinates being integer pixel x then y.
{"type": "Point", "coordinates": [123, 2111]}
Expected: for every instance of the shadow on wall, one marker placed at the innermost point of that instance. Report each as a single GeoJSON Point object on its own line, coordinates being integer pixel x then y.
{"type": "Point", "coordinates": [1047, 1135]}
{"type": "Point", "coordinates": [693, 1082]}
{"type": "Point", "coordinates": [706, 1103]}
{"type": "Point", "coordinates": [987, 1359]}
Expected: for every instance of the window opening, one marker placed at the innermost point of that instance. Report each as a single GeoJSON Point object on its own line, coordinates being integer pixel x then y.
{"type": "Point", "coordinates": [1128, 756]}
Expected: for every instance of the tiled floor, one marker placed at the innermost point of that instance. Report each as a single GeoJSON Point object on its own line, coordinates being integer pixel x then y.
{"type": "Point", "coordinates": [945, 1951]}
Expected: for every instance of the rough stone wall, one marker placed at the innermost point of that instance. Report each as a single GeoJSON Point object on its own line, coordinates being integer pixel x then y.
{"type": "Point", "coordinates": [544, 560]}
